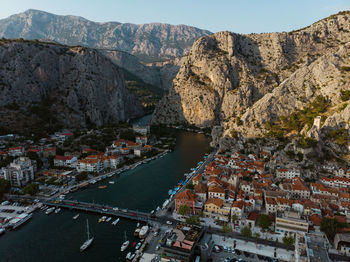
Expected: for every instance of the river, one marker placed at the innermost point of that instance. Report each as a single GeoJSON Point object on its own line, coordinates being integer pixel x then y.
{"type": "Point", "coordinates": [57, 237]}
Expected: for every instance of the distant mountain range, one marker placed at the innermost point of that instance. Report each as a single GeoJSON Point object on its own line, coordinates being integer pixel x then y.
{"type": "Point", "coordinates": [149, 42]}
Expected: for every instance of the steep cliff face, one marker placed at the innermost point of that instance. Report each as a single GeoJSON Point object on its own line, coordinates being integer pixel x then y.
{"type": "Point", "coordinates": [147, 41]}
{"type": "Point", "coordinates": [244, 81]}
{"type": "Point", "coordinates": [50, 85]}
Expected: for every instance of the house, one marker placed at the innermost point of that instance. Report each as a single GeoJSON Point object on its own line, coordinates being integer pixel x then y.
{"type": "Point", "coordinates": [142, 140]}
{"type": "Point", "coordinates": [89, 165]}
{"type": "Point", "coordinates": [217, 209]}
{"type": "Point", "coordinates": [201, 191]}
{"type": "Point", "coordinates": [186, 197]}
{"type": "Point", "coordinates": [16, 151]}
{"type": "Point", "coordinates": [237, 209]}
{"type": "Point", "coordinates": [270, 205]}
{"type": "Point", "coordinates": [216, 192]}
{"type": "Point", "coordinates": [315, 221]}
{"type": "Point", "coordinates": [20, 172]}
{"type": "Point", "coordinates": [287, 173]}
{"type": "Point", "coordinates": [245, 186]}
{"type": "Point", "coordinates": [50, 151]}
{"type": "Point", "coordinates": [67, 161]}
{"type": "Point", "coordinates": [252, 219]}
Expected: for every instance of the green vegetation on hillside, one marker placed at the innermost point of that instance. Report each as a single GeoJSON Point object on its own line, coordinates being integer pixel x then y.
{"type": "Point", "coordinates": [148, 95]}
{"type": "Point", "coordinates": [340, 136]}
{"type": "Point", "coordinates": [297, 120]}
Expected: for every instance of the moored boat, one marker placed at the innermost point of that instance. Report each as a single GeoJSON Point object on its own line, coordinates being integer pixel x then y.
{"type": "Point", "coordinates": [125, 244]}
{"type": "Point", "coordinates": [108, 219]}
{"type": "Point", "coordinates": [102, 187]}
{"type": "Point", "coordinates": [76, 216]}
{"type": "Point", "coordinates": [21, 219]}
{"type": "Point", "coordinates": [57, 210]}
{"type": "Point", "coordinates": [115, 222]}
{"type": "Point", "coordinates": [89, 240]}
{"type": "Point", "coordinates": [50, 210]}
{"type": "Point", "coordinates": [143, 231]}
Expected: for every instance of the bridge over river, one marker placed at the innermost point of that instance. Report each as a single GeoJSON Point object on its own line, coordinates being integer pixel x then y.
{"type": "Point", "coordinates": [100, 209]}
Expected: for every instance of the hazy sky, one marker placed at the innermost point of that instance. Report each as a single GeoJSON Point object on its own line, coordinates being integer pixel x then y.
{"type": "Point", "coordinates": [244, 16]}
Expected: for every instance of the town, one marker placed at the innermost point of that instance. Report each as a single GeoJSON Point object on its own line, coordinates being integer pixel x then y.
{"type": "Point", "coordinates": [234, 206]}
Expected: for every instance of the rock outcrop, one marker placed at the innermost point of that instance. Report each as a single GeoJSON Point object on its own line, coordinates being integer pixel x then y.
{"type": "Point", "coordinates": [43, 84]}
{"type": "Point", "coordinates": [149, 42]}
{"type": "Point", "coordinates": [244, 81]}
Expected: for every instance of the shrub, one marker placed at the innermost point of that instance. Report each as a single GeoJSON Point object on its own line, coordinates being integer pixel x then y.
{"type": "Point", "coordinates": [345, 95]}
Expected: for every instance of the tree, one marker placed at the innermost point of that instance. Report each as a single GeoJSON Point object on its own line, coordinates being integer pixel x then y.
{"type": "Point", "coordinates": [330, 227]}
{"type": "Point", "coordinates": [190, 186]}
{"type": "Point", "coordinates": [226, 228]}
{"type": "Point", "coordinates": [234, 218]}
{"type": "Point", "coordinates": [81, 176]}
{"type": "Point", "coordinates": [257, 236]}
{"type": "Point", "coordinates": [193, 220]}
{"type": "Point", "coordinates": [246, 232]}
{"type": "Point", "coordinates": [184, 210]}
{"type": "Point", "coordinates": [31, 189]}
{"type": "Point", "coordinates": [5, 187]}
{"type": "Point", "coordinates": [264, 221]}
{"type": "Point", "coordinates": [288, 241]}
{"type": "Point", "coordinates": [34, 156]}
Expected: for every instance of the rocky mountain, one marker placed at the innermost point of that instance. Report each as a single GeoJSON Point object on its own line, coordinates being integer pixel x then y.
{"type": "Point", "coordinates": [48, 86]}
{"type": "Point", "coordinates": [248, 83]}
{"type": "Point", "coordinates": [149, 42]}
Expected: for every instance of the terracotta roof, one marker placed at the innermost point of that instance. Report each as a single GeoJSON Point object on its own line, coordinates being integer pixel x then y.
{"type": "Point", "coordinates": [58, 157]}
{"type": "Point", "coordinates": [216, 201]}
{"type": "Point", "coordinates": [200, 188]}
{"type": "Point", "coordinates": [187, 195]}
{"type": "Point", "coordinates": [254, 215]}
{"type": "Point", "coordinates": [216, 189]}
{"type": "Point", "coordinates": [238, 204]}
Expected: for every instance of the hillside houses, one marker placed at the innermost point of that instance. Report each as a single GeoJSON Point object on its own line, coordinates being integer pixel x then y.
{"type": "Point", "coordinates": [239, 185]}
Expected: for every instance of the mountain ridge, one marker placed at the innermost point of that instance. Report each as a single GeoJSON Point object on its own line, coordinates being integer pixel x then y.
{"type": "Point", "coordinates": [241, 82]}
{"type": "Point", "coordinates": [152, 41]}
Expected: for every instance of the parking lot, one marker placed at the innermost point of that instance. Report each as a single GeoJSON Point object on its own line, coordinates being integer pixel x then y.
{"type": "Point", "coordinates": [237, 255]}
{"type": "Point", "coordinates": [250, 251]}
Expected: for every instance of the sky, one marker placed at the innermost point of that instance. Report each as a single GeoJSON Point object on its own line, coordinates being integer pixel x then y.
{"type": "Point", "coordinates": [244, 16]}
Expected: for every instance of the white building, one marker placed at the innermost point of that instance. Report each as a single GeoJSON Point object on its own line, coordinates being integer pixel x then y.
{"type": "Point", "coordinates": [68, 161]}
{"type": "Point", "coordinates": [288, 173]}
{"type": "Point", "coordinates": [19, 172]}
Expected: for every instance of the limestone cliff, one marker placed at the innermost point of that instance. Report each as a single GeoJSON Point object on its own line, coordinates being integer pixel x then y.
{"type": "Point", "coordinates": [244, 81]}
{"type": "Point", "coordinates": [49, 85]}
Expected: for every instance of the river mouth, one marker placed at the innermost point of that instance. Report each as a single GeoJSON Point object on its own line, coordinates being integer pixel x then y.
{"type": "Point", "coordinates": [57, 237]}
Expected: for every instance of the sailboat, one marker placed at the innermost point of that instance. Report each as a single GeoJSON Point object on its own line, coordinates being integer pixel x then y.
{"type": "Point", "coordinates": [89, 240]}
{"type": "Point", "coordinates": [125, 244]}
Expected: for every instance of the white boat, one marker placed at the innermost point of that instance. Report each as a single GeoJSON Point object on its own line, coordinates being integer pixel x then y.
{"type": "Point", "coordinates": [21, 219]}
{"type": "Point", "coordinates": [110, 175]}
{"type": "Point", "coordinates": [138, 224]}
{"type": "Point", "coordinates": [108, 219]}
{"type": "Point", "coordinates": [2, 231]}
{"type": "Point", "coordinates": [57, 210]}
{"type": "Point", "coordinates": [132, 256]}
{"type": "Point", "coordinates": [125, 244]}
{"type": "Point", "coordinates": [93, 181]}
{"type": "Point", "coordinates": [128, 256]}
{"type": "Point", "coordinates": [115, 222]}
{"type": "Point", "coordinates": [111, 182]}
{"type": "Point", "coordinates": [138, 245]}
{"type": "Point", "coordinates": [89, 240]}
{"type": "Point", "coordinates": [143, 231]}
{"type": "Point", "coordinates": [50, 210]}
{"type": "Point", "coordinates": [76, 216]}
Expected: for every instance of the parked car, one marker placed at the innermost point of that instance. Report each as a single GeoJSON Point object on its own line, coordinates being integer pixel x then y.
{"type": "Point", "coordinates": [158, 247]}
{"type": "Point", "coordinates": [169, 222]}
